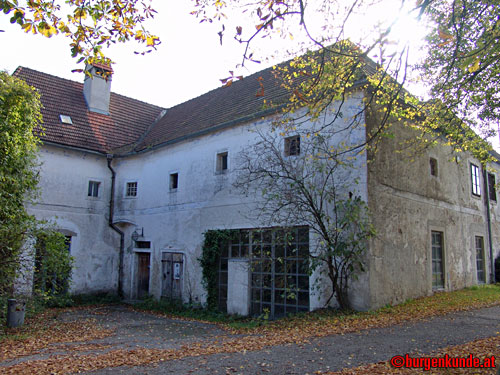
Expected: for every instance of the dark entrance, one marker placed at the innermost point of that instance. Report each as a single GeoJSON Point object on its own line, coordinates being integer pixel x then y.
{"type": "Point", "coordinates": [143, 275]}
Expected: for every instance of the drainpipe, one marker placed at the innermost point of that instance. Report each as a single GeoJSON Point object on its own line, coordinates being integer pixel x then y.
{"type": "Point", "coordinates": [488, 219]}
{"type": "Point", "coordinates": [109, 157]}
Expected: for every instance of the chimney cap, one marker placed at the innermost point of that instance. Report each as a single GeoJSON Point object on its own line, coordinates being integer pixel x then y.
{"type": "Point", "coordinates": [100, 65]}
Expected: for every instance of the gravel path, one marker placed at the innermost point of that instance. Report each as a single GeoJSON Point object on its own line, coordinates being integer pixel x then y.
{"type": "Point", "coordinates": [338, 351]}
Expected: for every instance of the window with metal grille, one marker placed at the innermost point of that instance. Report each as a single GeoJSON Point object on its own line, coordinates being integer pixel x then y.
{"type": "Point", "coordinates": [437, 260]}
{"type": "Point", "coordinates": [476, 180]}
{"type": "Point", "coordinates": [93, 190]}
{"type": "Point", "coordinates": [480, 260]}
{"type": "Point", "coordinates": [292, 145]}
{"type": "Point", "coordinates": [492, 191]}
{"type": "Point", "coordinates": [131, 189]}
{"type": "Point", "coordinates": [279, 269]}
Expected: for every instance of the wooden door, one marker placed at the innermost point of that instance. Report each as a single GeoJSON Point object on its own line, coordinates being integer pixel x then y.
{"type": "Point", "coordinates": [172, 272]}
{"type": "Point", "coordinates": [143, 275]}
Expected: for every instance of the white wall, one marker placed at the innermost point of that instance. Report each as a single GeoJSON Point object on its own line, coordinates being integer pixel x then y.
{"type": "Point", "coordinates": [204, 200]}
{"type": "Point", "coordinates": [64, 201]}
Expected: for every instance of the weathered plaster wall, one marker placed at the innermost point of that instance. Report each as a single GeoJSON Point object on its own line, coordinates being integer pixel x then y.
{"type": "Point", "coordinates": [64, 200]}
{"type": "Point", "coordinates": [407, 203]}
{"type": "Point", "coordinates": [204, 199]}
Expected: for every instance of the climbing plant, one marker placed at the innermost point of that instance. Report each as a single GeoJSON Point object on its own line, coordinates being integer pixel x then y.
{"type": "Point", "coordinates": [213, 243]}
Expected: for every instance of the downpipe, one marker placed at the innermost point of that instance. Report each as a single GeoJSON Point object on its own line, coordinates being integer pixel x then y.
{"type": "Point", "coordinates": [109, 158]}
{"type": "Point", "coordinates": [488, 219]}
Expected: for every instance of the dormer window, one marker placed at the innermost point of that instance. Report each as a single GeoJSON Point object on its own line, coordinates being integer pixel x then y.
{"type": "Point", "coordinates": [65, 119]}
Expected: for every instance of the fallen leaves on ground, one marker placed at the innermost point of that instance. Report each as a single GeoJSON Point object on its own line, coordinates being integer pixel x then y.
{"type": "Point", "coordinates": [478, 349]}
{"type": "Point", "coordinates": [296, 330]}
{"type": "Point", "coordinates": [45, 331]}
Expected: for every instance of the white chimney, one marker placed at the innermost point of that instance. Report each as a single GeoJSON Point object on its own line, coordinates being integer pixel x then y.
{"type": "Point", "coordinates": [97, 88]}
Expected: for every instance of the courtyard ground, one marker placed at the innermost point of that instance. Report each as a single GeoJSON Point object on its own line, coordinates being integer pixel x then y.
{"type": "Point", "coordinates": [118, 339]}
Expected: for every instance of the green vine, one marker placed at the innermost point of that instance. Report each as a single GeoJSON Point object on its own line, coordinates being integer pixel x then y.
{"type": "Point", "coordinates": [209, 261]}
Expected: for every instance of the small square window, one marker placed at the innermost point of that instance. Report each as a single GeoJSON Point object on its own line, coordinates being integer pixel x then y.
{"type": "Point", "coordinates": [174, 181]}
{"type": "Point", "coordinates": [476, 180]}
{"type": "Point", "coordinates": [93, 190]}
{"type": "Point", "coordinates": [65, 119]}
{"type": "Point", "coordinates": [292, 145]}
{"type": "Point", "coordinates": [434, 166]}
{"type": "Point", "coordinates": [131, 189]}
{"type": "Point", "coordinates": [222, 165]}
{"type": "Point", "coordinates": [492, 192]}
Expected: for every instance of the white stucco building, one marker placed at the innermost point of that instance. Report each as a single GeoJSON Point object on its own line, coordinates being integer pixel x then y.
{"type": "Point", "coordinates": [136, 186]}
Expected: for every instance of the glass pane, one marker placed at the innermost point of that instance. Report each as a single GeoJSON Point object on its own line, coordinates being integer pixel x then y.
{"type": "Point", "coordinates": [266, 281]}
{"type": "Point", "coordinates": [244, 251]}
{"type": "Point", "coordinates": [266, 295]}
{"type": "Point", "coordinates": [279, 296]}
{"type": "Point", "coordinates": [279, 266]}
{"type": "Point", "coordinates": [256, 280]}
{"type": "Point", "coordinates": [279, 251]}
{"type": "Point", "coordinates": [304, 235]}
{"type": "Point", "coordinates": [279, 281]}
{"type": "Point", "coordinates": [235, 251]}
{"type": "Point", "coordinates": [304, 282]}
{"type": "Point", "coordinates": [303, 299]}
{"type": "Point", "coordinates": [255, 295]}
{"type": "Point", "coordinates": [267, 236]}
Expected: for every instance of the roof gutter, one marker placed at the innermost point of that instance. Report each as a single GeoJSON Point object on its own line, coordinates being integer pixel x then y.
{"type": "Point", "coordinates": [73, 148]}
{"type": "Point", "coordinates": [109, 158]}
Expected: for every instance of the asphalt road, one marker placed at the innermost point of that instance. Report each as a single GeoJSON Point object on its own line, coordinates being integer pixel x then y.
{"type": "Point", "coordinates": [337, 351]}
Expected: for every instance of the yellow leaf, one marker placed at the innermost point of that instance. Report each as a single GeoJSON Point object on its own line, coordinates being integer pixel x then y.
{"type": "Point", "coordinates": [80, 13]}
{"type": "Point", "coordinates": [150, 40]}
{"type": "Point", "coordinates": [27, 27]}
{"type": "Point", "coordinates": [475, 67]}
{"type": "Point", "coordinates": [444, 35]}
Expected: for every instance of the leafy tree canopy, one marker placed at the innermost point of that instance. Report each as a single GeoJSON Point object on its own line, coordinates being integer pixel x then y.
{"type": "Point", "coordinates": [90, 25]}
{"type": "Point", "coordinates": [20, 119]}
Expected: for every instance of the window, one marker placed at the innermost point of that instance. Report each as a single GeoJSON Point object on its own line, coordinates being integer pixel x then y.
{"type": "Point", "coordinates": [279, 269]}
{"type": "Point", "coordinates": [476, 180]}
{"type": "Point", "coordinates": [437, 260]}
{"type": "Point", "coordinates": [221, 162]}
{"type": "Point", "coordinates": [65, 119]}
{"type": "Point", "coordinates": [434, 166]}
{"type": "Point", "coordinates": [292, 145]}
{"type": "Point", "coordinates": [131, 189]}
{"type": "Point", "coordinates": [93, 189]}
{"type": "Point", "coordinates": [480, 260]}
{"type": "Point", "coordinates": [492, 192]}
{"type": "Point", "coordinates": [174, 181]}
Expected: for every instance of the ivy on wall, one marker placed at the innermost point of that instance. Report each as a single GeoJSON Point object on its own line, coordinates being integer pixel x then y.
{"type": "Point", "coordinates": [212, 247]}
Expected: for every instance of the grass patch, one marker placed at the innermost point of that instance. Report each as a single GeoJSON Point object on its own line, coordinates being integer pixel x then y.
{"type": "Point", "coordinates": [195, 312]}
{"type": "Point", "coordinates": [95, 299]}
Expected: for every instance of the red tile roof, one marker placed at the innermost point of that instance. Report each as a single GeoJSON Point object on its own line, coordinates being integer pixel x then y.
{"type": "Point", "coordinates": [219, 107]}
{"type": "Point", "coordinates": [133, 123]}
{"type": "Point", "coordinates": [129, 119]}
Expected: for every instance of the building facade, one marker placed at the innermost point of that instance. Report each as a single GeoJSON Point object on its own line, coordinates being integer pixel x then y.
{"type": "Point", "coordinates": [136, 187]}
